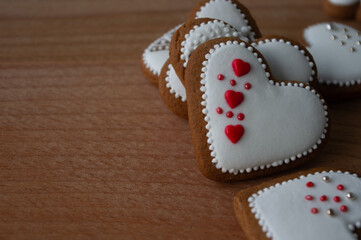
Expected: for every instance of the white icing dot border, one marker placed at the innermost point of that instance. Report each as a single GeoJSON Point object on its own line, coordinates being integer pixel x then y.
{"type": "Point", "coordinates": [280, 40]}
{"type": "Point", "coordinates": [349, 83]}
{"type": "Point", "coordinates": [171, 89]}
{"type": "Point", "coordinates": [159, 44]}
{"type": "Point", "coordinates": [276, 83]}
{"type": "Point", "coordinates": [217, 33]}
{"type": "Point", "coordinates": [251, 33]}
{"type": "Point", "coordinates": [262, 221]}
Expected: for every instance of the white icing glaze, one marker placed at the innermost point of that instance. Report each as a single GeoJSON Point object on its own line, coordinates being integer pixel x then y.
{"type": "Point", "coordinates": [343, 2]}
{"type": "Point", "coordinates": [174, 84]}
{"type": "Point", "coordinates": [283, 121]}
{"type": "Point", "coordinates": [284, 213]}
{"type": "Point", "coordinates": [228, 12]}
{"type": "Point", "coordinates": [287, 62]}
{"type": "Point", "coordinates": [205, 32]}
{"type": "Point", "coordinates": [336, 64]}
{"type": "Point", "coordinates": [157, 53]}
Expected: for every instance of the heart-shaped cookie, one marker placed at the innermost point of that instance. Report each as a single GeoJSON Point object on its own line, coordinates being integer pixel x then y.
{"type": "Point", "coordinates": [284, 122]}
{"type": "Point", "coordinates": [315, 204]}
{"type": "Point", "coordinates": [288, 60]}
{"type": "Point", "coordinates": [336, 49]}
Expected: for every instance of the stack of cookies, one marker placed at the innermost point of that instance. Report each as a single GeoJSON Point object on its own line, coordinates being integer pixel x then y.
{"type": "Point", "coordinates": [256, 105]}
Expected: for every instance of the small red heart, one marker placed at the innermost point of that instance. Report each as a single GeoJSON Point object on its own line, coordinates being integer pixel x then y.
{"type": "Point", "coordinates": [234, 133]}
{"type": "Point", "coordinates": [233, 98]}
{"type": "Point", "coordinates": [240, 67]}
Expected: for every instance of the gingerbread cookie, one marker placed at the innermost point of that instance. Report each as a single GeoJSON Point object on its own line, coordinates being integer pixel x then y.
{"type": "Point", "coordinates": [155, 55]}
{"type": "Point", "coordinates": [344, 9]}
{"type": "Point", "coordinates": [288, 60]}
{"type": "Point", "coordinates": [229, 11]}
{"type": "Point", "coordinates": [255, 127]}
{"type": "Point", "coordinates": [319, 204]}
{"type": "Point", "coordinates": [336, 49]}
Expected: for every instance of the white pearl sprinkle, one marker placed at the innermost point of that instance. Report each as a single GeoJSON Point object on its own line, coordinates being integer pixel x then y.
{"type": "Point", "coordinates": [329, 26]}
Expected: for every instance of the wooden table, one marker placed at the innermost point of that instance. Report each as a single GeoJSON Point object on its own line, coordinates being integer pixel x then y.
{"type": "Point", "coordinates": [88, 150]}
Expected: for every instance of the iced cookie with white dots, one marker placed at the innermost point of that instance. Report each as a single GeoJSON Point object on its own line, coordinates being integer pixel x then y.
{"type": "Point", "coordinates": [343, 9]}
{"type": "Point", "coordinates": [320, 204]}
{"type": "Point", "coordinates": [155, 55]}
{"type": "Point", "coordinates": [245, 122]}
{"type": "Point", "coordinates": [336, 49]}
{"type": "Point", "coordinates": [230, 11]}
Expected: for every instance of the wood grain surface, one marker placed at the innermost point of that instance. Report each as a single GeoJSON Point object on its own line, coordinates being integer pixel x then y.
{"type": "Point", "coordinates": [88, 150]}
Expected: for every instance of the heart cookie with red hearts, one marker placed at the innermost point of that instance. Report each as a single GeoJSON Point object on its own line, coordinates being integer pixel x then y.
{"type": "Point", "coordinates": [320, 203]}
{"type": "Point", "coordinates": [250, 124]}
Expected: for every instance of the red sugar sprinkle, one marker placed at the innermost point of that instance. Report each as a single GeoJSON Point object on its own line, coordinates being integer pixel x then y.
{"type": "Point", "coordinates": [219, 110]}
{"type": "Point", "coordinates": [232, 82]}
{"type": "Point", "coordinates": [323, 198]}
{"type": "Point", "coordinates": [309, 197]}
{"type": "Point", "coordinates": [220, 77]}
{"type": "Point", "coordinates": [340, 187]}
{"type": "Point", "coordinates": [343, 208]}
{"type": "Point", "coordinates": [336, 199]}
{"type": "Point", "coordinates": [240, 116]}
{"type": "Point", "coordinates": [314, 210]}
{"type": "Point", "coordinates": [310, 184]}
{"type": "Point", "coordinates": [229, 114]}
{"type": "Point", "coordinates": [247, 86]}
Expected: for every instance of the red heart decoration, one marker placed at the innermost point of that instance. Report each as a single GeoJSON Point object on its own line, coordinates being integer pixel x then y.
{"type": "Point", "coordinates": [233, 98]}
{"type": "Point", "coordinates": [234, 133]}
{"type": "Point", "coordinates": [240, 67]}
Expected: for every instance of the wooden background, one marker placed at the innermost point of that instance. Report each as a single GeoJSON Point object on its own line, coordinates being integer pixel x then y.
{"type": "Point", "coordinates": [87, 148]}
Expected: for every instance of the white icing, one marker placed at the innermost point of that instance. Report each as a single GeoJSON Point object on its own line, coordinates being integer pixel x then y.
{"type": "Point", "coordinates": [286, 61]}
{"type": "Point", "coordinates": [174, 84]}
{"type": "Point", "coordinates": [284, 213]}
{"type": "Point", "coordinates": [343, 2]}
{"type": "Point", "coordinates": [228, 12]}
{"type": "Point", "coordinates": [157, 53]}
{"type": "Point", "coordinates": [205, 32]}
{"type": "Point", "coordinates": [282, 123]}
{"type": "Point", "coordinates": [336, 64]}
{"type": "Point", "coordinates": [155, 60]}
